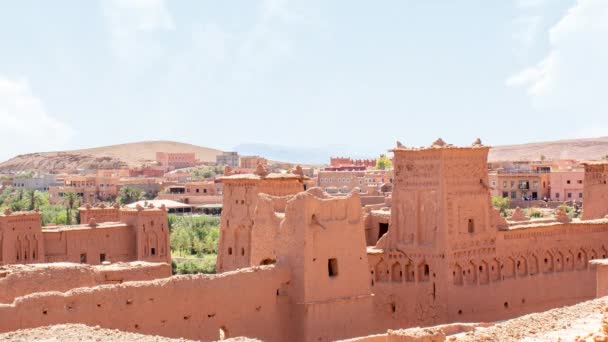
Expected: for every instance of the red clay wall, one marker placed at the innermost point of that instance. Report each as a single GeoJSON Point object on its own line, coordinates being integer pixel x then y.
{"type": "Point", "coordinates": [244, 303]}
{"type": "Point", "coordinates": [20, 280]}
{"type": "Point", "coordinates": [67, 244]}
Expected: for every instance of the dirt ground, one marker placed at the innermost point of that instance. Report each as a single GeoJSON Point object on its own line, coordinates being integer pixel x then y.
{"type": "Point", "coordinates": [580, 322]}
{"type": "Point", "coordinates": [84, 333]}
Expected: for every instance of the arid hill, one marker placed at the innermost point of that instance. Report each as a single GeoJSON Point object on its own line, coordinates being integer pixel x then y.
{"type": "Point", "coordinates": [114, 156]}
{"type": "Point", "coordinates": [134, 154]}
{"type": "Point", "coordinates": [579, 149]}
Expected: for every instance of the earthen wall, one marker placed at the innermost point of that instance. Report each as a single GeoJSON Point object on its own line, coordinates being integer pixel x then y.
{"type": "Point", "coordinates": [243, 303]}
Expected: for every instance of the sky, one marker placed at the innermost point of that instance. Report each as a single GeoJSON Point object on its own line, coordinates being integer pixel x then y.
{"type": "Point", "coordinates": [350, 75]}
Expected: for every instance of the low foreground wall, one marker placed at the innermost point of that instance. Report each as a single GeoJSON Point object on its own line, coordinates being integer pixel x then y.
{"type": "Point", "coordinates": [21, 280]}
{"type": "Point", "coordinates": [239, 303]}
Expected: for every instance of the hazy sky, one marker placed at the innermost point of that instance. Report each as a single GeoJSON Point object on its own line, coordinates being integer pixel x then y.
{"type": "Point", "coordinates": [360, 74]}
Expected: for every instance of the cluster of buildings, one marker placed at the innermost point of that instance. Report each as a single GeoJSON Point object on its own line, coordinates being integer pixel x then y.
{"type": "Point", "coordinates": [557, 180]}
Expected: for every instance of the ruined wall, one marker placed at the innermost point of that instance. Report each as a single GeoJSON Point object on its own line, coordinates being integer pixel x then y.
{"type": "Point", "coordinates": [83, 244]}
{"type": "Point", "coordinates": [321, 239]}
{"type": "Point", "coordinates": [20, 280]}
{"type": "Point", "coordinates": [243, 303]}
{"type": "Point", "coordinates": [376, 225]}
{"type": "Point", "coordinates": [595, 191]}
{"type": "Point", "coordinates": [239, 205]}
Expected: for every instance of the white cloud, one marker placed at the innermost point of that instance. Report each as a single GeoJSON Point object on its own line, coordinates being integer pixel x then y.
{"type": "Point", "coordinates": [26, 126]}
{"type": "Point", "coordinates": [131, 22]}
{"type": "Point", "coordinates": [573, 76]}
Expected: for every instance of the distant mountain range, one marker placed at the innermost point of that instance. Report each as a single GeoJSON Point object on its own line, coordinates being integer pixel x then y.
{"type": "Point", "coordinates": [301, 155]}
{"type": "Point", "coordinates": [134, 154]}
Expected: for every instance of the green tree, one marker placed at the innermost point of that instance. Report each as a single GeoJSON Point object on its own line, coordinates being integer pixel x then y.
{"type": "Point", "coordinates": [34, 199]}
{"type": "Point", "coordinates": [128, 195]}
{"type": "Point", "coordinates": [182, 240]}
{"type": "Point", "coordinates": [70, 202]}
{"type": "Point", "coordinates": [16, 200]}
{"type": "Point", "coordinates": [384, 163]}
{"type": "Point", "coordinates": [501, 203]}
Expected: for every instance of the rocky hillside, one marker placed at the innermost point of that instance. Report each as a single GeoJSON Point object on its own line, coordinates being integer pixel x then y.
{"type": "Point", "coordinates": [115, 156]}
{"type": "Point", "coordinates": [579, 149]}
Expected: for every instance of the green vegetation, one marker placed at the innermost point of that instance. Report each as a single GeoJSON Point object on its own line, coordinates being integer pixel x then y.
{"type": "Point", "coordinates": [502, 204]}
{"type": "Point", "coordinates": [18, 199]}
{"type": "Point", "coordinates": [384, 163]}
{"type": "Point", "coordinates": [193, 266]}
{"type": "Point", "coordinates": [572, 212]}
{"type": "Point", "coordinates": [207, 172]}
{"type": "Point", "coordinates": [128, 195]}
{"type": "Point", "coordinates": [194, 238]}
{"type": "Point", "coordinates": [535, 213]}
{"type": "Point", "coordinates": [71, 202]}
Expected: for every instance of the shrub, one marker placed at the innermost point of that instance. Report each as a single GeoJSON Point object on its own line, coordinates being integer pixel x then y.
{"type": "Point", "coordinates": [535, 213]}
{"type": "Point", "coordinates": [206, 265]}
{"type": "Point", "coordinates": [502, 204]}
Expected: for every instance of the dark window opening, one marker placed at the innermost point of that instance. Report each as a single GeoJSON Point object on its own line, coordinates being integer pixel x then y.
{"type": "Point", "coordinates": [243, 251]}
{"type": "Point", "coordinates": [268, 262]}
{"type": "Point", "coordinates": [426, 270]}
{"type": "Point", "coordinates": [382, 229]}
{"type": "Point", "coordinates": [83, 258]}
{"type": "Point", "coordinates": [332, 267]}
{"type": "Point", "coordinates": [229, 250]}
{"type": "Point", "coordinates": [152, 251]}
{"type": "Point", "coordinates": [102, 257]}
{"type": "Point", "coordinates": [471, 227]}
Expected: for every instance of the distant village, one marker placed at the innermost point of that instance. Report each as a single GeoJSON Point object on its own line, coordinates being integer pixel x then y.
{"type": "Point", "coordinates": [185, 185]}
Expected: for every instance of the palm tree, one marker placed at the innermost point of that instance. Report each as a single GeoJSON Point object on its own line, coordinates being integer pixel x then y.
{"type": "Point", "coordinates": [128, 195]}
{"type": "Point", "coordinates": [34, 200]}
{"type": "Point", "coordinates": [16, 200]}
{"type": "Point", "coordinates": [70, 201]}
